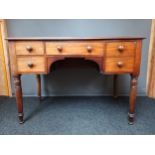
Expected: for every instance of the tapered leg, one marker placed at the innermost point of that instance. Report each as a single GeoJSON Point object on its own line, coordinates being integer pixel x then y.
{"type": "Point", "coordinates": [38, 86]}
{"type": "Point", "coordinates": [133, 93]}
{"type": "Point", "coordinates": [115, 77]}
{"type": "Point", "coordinates": [19, 98]}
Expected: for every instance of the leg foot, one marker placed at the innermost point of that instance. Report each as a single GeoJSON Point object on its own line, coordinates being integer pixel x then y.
{"type": "Point", "coordinates": [21, 118]}
{"type": "Point", "coordinates": [131, 118]}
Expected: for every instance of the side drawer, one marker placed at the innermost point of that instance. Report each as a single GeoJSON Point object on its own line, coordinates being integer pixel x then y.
{"type": "Point", "coordinates": [31, 64]}
{"type": "Point", "coordinates": [29, 48]}
{"type": "Point", "coordinates": [115, 49]}
{"type": "Point", "coordinates": [119, 65]}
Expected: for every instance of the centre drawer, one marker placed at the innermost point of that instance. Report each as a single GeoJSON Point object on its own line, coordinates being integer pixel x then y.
{"type": "Point", "coordinates": [75, 48]}
{"type": "Point", "coordinates": [31, 64]}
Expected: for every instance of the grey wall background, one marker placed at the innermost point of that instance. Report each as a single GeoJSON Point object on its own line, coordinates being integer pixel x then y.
{"type": "Point", "coordinates": [81, 81]}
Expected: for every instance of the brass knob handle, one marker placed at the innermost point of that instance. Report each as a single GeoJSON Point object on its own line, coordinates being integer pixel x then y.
{"type": "Point", "coordinates": [30, 65]}
{"type": "Point", "coordinates": [29, 48]}
{"type": "Point", "coordinates": [89, 49]}
{"type": "Point", "coordinates": [120, 64]}
{"type": "Point", "coordinates": [121, 48]}
{"type": "Point", "coordinates": [59, 48]}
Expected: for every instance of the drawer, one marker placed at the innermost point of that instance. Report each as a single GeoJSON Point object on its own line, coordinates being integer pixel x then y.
{"type": "Point", "coordinates": [31, 64]}
{"type": "Point", "coordinates": [75, 48]}
{"type": "Point", "coordinates": [119, 65]}
{"type": "Point", "coordinates": [29, 48]}
{"type": "Point", "coordinates": [114, 49]}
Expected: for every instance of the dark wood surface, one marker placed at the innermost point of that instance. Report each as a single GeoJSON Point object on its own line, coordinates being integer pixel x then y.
{"type": "Point", "coordinates": [73, 38]}
{"type": "Point", "coordinates": [38, 79]}
{"type": "Point", "coordinates": [132, 100]}
{"type": "Point", "coordinates": [19, 97]}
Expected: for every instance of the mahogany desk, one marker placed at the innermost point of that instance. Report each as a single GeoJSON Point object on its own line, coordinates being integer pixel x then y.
{"type": "Point", "coordinates": [112, 55]}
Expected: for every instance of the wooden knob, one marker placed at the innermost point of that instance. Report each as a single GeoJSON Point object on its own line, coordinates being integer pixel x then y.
{"type": "Point", "coordinates": [120, 64]}
{"type": "Point", "coordinates": [29, 48]}
{"type": "Point", "coordinates": [121, 48]}
{"type": "Point", "coordinates": [59, 48]}
{"type": "Point", "coordinates": [30, 65]}
{"type": "Point", "coordinates": [89, 48]}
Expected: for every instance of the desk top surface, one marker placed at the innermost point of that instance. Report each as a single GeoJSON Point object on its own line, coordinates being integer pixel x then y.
{"type": "Point", "coordinates": [72, 38]}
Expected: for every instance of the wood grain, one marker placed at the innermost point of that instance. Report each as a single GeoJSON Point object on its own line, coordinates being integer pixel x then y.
{"type": "Point", "coordinates": [137, 57]}
{"type": "Point", "coordinates": [112, 49]}
{"type": "Point", "coordinates": [132, 99]}
{"type": "Point", "coordinates": [3, 77]}
{"type": "Point", "coordinates": [38, 64]}
{"type": "Point", "coordinates": [38, 79]}
{"type": "Point", "coordinates": [111, 65]}
{"type": "Point", "coordinates": [19, 97]}
{"type": "Point", "coordinates": [120, 38]}
{"type": "Point", "coordinates": [150, 85]}
{"type": "Point", "coordinates": [13, 61]}
{"type": "Point", "coordinates": [75, 48]}
{"type": "Point", "coordinates": [37, 48]}
{"type": "Point", "coordinates": [5, 82]}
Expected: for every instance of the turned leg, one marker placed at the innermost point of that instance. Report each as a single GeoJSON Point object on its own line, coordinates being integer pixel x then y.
{"type": "Point", "coordinates": [19, 98]}
{"type": "Point", "coordinates": [115, 77]}
{"type": "Point", "coordinates": [38, 86]}
{"type": "Point", "coordinates": [133, 93]}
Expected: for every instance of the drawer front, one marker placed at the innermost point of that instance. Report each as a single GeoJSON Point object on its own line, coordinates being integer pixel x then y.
{"type": "Point", "coordinates": [31, 64]}
{"type": "Point", "coordinates": [75, 48]}
{"type": "Point", "coordinates": [119, 65]}
{"type": "Point", "coordinates": [29, 48]}
{"type": "Point", "coordinates": [114, 49]}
